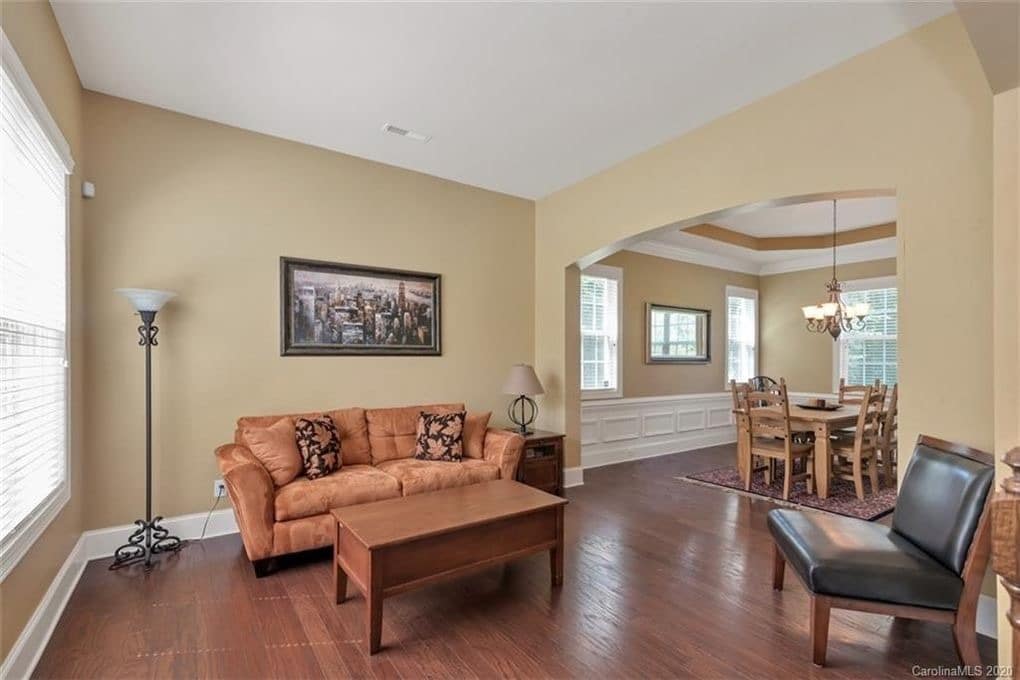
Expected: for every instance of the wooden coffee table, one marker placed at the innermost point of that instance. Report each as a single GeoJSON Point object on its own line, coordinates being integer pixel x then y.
{"type": "Point", "coordinates": [392, 546]}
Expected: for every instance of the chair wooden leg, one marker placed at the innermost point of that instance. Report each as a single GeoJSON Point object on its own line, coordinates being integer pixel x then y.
{"type": "Point", "coordinates": [965, 635]}
{"type": "Point", "coordinates": [787, 478]}
{"type": "Point", "coordinates": [809, 463]}
{"type": "Point", "coordinates": [820, 606]}
{"type": "Point", "coordinates": [888, 460]}
{"type": "Point", "coordinates": [778, 567]}
{"type": "Point", "coordinates": [750, 474]}
{"type": "Point", "coordinates": [858, 478]}
{"type": "Point", "coordinates": [873, 472]}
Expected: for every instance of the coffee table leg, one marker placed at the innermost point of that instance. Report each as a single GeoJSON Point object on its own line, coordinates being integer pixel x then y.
{"type": "Point", "coordinates": [374, 600]}
{"type": "Point", "coordinates": [556, 554]}
{"type": "Point", "coordinates": [339, 575]}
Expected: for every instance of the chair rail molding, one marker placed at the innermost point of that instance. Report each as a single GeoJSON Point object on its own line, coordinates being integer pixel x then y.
{"type": "Point", "coordinates": [618, 430]}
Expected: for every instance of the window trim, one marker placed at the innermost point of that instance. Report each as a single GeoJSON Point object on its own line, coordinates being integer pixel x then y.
{"type": "Point", "coordinates": [751, 294]}
{"type": "Point", "coordinates": [850, 286]}
{"type": "Point", "coordinates": [15, 546]}
{"type": "Point", "coordinates": [615, 273]}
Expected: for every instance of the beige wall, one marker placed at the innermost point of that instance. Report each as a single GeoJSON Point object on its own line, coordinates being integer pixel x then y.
{"type": "Point", "coordinates": [913, 115]}
{"type": "Point", "coordinates": [207, 210]}
{"type": "Point", "coordinates": [647, 278]}
{"type": "Point", "coordinates": [32, 30]}
{"type": "Point", "coordinates": [1006, 300]}
{"type": "Point", "coordinates": [786, 348]}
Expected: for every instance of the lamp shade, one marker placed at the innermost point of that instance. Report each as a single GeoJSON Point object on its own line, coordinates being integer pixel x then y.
{"type": "Point", "coordinates": [146, 299]}
{"type": "Point", "coordinates": [522, 380]}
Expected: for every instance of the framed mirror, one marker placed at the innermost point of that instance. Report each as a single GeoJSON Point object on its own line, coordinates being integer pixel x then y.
{"type": "Point", "coordinates": [677, 335]}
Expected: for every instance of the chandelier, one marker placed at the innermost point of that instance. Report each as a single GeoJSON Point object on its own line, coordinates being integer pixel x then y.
{"type": "Point", "coordinates": [834, 316]}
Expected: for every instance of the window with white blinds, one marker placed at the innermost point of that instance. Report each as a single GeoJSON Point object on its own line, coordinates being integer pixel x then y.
{"type": "Point", "coordinates": [870, 353]}
{"type": "Point", "coordinates": [33, 314]}
{"type": "Point", "coordinates": [600, 331]}
{"type": "Point", "coordinates": [741, 333]}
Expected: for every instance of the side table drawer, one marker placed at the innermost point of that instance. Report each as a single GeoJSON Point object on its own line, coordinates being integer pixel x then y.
{"type": "Point", "coordinates": [543, 473]}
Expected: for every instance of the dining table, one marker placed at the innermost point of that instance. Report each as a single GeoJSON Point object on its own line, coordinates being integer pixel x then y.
{"type": "Point", "coordinates": [820, 422]}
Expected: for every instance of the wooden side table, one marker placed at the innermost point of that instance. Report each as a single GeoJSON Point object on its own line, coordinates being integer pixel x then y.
{"type": "Point", "coordinates": [541, 463]}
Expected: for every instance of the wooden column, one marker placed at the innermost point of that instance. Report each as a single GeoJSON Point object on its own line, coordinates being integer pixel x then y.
{"type": "Point", "coordinates": [1006, 543]}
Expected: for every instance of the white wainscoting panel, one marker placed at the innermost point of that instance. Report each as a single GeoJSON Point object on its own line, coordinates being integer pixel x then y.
{"type": "Point", "coordinates": [617, 430]}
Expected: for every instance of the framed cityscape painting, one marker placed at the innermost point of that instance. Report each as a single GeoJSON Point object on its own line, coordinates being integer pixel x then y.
{"type": "Point", "coordinates": [333, 308]}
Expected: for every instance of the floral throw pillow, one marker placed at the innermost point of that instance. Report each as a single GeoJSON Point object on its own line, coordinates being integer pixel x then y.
{"type": "Point", "coordinates": [319, 443]}
{"type": "Point", "coordinates": [440, 436]}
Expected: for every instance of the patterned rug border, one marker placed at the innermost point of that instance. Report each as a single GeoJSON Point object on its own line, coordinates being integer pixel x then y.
{"type": "Point", "coordinates": [769, 499]}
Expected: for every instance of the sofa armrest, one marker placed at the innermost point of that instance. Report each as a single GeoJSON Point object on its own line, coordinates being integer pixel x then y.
{"type": "Point", "coordinates": [252, 494]}
{"type": "Point", "coordinates": [503, 448]}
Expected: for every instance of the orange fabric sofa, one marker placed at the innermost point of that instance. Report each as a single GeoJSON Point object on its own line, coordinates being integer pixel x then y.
{"type": "Point", "coordinates": [377, 454]}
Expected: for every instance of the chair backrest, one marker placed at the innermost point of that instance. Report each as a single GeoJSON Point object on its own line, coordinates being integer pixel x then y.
{"type": "Point", "coordinates": [889, 422]}
{"type": "Point", "coordinates": [854, 394]}
{"type": "Point", "coordinates": [739, 392]}
{"type": "Point", "coordinates": [942, 498]}
{"type": "Point", "coordinates": [762, 383]}
{"type": "Point", "coordinates": [770, 412]}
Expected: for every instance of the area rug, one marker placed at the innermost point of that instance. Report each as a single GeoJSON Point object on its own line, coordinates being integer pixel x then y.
{"type": "Point", "coordinates": [841, 501]}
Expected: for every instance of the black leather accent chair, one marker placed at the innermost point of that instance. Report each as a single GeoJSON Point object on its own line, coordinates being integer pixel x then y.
{"type": "Point", "coordinates": [928, 565]}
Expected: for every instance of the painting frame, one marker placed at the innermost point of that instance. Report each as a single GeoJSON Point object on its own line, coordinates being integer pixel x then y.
{"type": "Point", "coordinates": [292, 346]}
{"type": "Point", "coordinates": [652, 359]}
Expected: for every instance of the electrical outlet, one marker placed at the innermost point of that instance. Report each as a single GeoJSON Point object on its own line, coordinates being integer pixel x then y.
{"type": "Point", "coordinates": [219, 488]}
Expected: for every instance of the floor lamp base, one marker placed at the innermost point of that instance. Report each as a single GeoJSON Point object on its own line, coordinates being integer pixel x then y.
{"type": "Point", "coordinates": [150, 538]}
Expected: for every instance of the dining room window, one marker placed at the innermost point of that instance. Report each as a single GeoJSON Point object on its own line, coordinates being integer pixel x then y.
{"type": "Point", "coordinates": [869, 354]}
{"type": "Point", "coordinates": [601, 303]}
{"type": "Point", "coordinates": [33, 313]}
{"type": "Point", "coordinates": [741, 334]}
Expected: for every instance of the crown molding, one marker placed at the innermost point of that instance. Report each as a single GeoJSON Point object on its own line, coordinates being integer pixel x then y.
{"type": "Point", "coordinates": [671, 252]}
{"type": "Point", "coordinates": [858, 252]}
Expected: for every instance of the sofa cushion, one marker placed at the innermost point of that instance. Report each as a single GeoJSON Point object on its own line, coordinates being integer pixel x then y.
{"type": "Point", "coordinates": [350, 425]}
{"type": "Point", "coordinates": [419, 476]}
{"type": "Point", "coordinates": [276, 448]}
{"type": "Point", "coordinates": [319, 443]}
{"type": "Point", "coordinates": [391, 431]}
{"type": "Point", "coordinates": [475, 425]}
{"type": "Point", "coordinates": [440, 436]}
{"type": "Point", "coordinates": [848, 557]}
{"type": "Point", "coordinates": [350, 485]}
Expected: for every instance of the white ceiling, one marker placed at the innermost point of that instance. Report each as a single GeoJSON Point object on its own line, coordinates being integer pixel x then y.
{"type": "Point", "coordinates": [523, 98]}
{"type": "Point", "coordinates": [809, 219]}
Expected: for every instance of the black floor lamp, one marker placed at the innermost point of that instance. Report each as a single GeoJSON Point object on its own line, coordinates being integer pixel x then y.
{"type": "Point", "coordinates": [151, 537]}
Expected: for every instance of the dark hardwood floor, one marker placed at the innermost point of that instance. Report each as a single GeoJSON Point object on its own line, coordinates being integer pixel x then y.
{"type": "Point", "coordinates": [663, 579]}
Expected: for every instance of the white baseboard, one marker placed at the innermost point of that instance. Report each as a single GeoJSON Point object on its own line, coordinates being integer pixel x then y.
{"type": "Point", "coordinates": [573, 476]}
{"type": "Point", "coordinates": [621, 454]}
{"type": "Point", "coordinates": [29, 646]}
{"type": "Point", "coordinates": [102, 542]}
{"type": "Point", "coordinates": [988, 616]}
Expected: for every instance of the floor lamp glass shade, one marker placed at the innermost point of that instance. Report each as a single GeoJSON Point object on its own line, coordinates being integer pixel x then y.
{"type": "Point", "coordinates": [146, 299]}
{"type": "Point", "coordinates": [523, 382]}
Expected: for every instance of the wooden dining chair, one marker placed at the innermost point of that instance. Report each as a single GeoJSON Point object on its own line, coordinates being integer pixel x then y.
{"type": "Point", "coordinates": [854, 394]}
{"type": "Point", "coordinates": [887, 440]}
{"type": "Point", "coordinates": [852, 451]}
{"type": "Point", "coordinates": [745, 461]}
{"type": "Point", "coordinates": [772, 438]}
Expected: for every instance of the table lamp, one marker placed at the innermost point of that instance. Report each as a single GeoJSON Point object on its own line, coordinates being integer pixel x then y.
{"type": "Point", "coordinates": [523, 382]}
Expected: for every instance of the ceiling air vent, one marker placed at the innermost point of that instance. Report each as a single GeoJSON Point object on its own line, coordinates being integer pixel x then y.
{"type": "Point", "coordinates": [404, 132]}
